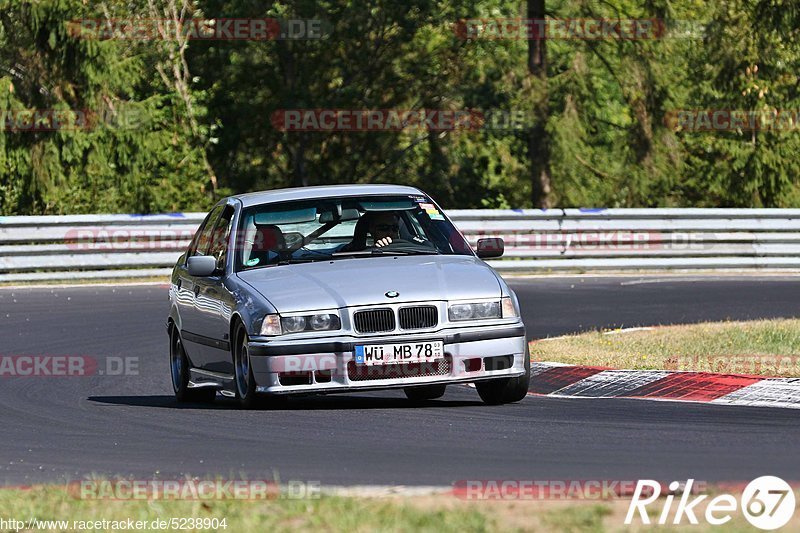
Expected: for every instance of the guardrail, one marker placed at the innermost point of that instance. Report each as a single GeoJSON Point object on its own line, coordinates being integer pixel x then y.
{"type": "Point", "coordinates": [123, 246]}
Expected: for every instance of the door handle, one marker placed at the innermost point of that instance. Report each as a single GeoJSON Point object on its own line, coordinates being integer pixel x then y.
{"type": "Point", "coordinates": [197, 290]}
{"type": "Point", "coordinates": [178, 284]}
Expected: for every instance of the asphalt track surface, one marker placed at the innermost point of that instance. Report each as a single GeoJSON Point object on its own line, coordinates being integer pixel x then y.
{"type": "Point", "coordinates": [62, 428]}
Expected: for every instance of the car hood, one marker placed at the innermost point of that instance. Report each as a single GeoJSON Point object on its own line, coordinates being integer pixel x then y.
{"type": "Point", "coordinates": [365, 281]}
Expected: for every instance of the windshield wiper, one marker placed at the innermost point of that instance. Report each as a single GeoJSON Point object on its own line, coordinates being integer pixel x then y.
{"type": "Point", "coordinates": [295, 261]}
{"type": "Point", "coordinates": [380, 251]}
{"type": "Point", "coordinates": [405, 251]}
{"type": "Point", "coordinates": [310, 251]}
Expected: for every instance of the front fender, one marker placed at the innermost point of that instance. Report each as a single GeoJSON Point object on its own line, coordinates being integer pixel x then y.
{"type": "Point", "coordinates": [250, 307]}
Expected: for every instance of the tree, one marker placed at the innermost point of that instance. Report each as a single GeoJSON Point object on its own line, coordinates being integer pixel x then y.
{"type": "Point", "coordinates": [126, 147]}
{"type": "Point", "coordinates": [538, 147]}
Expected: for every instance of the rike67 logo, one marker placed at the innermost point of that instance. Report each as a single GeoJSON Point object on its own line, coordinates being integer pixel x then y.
{"type": "Point", "coordinates": [767, 502]}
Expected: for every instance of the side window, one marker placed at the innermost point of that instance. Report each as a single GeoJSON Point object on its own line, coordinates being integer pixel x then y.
{"type": "Point", "coordinates": [221, 236]}
{"type": "Point", "coordinates": [202, 238]}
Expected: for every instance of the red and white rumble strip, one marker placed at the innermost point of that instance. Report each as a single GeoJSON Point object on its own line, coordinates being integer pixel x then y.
{"type": "Point", "coordinates": [556, 379]}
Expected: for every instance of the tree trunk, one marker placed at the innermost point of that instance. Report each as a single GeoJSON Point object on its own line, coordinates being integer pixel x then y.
{"type": "Point", "coordinates": [538, 142]}
{"type": "Point", "coordinates": [295, 143]}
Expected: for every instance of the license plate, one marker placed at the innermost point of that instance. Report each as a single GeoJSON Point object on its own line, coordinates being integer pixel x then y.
{"type": "Point", "coordinates": [388, 354]}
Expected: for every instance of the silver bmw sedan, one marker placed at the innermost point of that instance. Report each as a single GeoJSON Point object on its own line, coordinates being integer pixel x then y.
{"type": "Point", "coordinates": [319, 290]}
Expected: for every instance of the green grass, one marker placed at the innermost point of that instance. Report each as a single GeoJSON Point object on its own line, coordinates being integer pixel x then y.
{"type": "Point", "coordinates": [323, 514]}
{"type": "Point", "coordinates": [432, 513]}
{"type": "Point", "coordinates": [762, 347]}
{"type": "Point", "coordinates": [577, 519]}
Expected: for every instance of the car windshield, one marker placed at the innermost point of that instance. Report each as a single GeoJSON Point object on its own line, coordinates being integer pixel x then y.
{"type": "Point", "coordinates": [337, 228]}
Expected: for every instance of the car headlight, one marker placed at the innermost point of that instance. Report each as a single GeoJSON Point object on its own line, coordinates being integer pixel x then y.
{"type": "Point", "coordinates": [322, 322]}
{"type": "Point", "coordinates": [293, 324]}
{"type": "Point", "coordinates": [509, 309]}
{"type": "Point", "coordinates": [277, 325]}
{"type": "Point", "coordinates": [474, 311]}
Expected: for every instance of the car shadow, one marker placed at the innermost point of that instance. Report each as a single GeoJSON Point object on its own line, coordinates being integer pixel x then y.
{"type": "Point", "coordinates": [304, 403]}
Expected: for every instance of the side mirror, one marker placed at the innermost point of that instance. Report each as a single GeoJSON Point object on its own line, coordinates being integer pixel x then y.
{"type": "Point", "coordinates": [202, 265]}
{"type": "Point", "coordinates": [491, 247]}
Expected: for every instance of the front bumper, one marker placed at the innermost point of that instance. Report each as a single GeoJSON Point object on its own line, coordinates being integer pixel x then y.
{"type": "Point", "coordinates": [328, 365]}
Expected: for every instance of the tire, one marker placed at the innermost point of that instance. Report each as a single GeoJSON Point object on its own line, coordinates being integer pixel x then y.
{"type": "Point", "coordinates": [244, 383]}
{"type": "Point", "coordinates": [425, 392]}
{"type": "Point", "coordinates": [506, 390]}
{"type": "Point", "coordinates": [179, 372]}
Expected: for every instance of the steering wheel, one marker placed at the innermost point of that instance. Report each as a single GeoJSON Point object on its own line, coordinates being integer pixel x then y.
{"type": "Point", "coordinates": [394, 242]}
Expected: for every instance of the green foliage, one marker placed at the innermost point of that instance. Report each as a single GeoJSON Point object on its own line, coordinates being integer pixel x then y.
{"type": "Point", "coordinates": [135, 152]}
{"type": "Point", "coordinates": [749, 66]}
{"type": "Point", "coordinates": [176, 134]}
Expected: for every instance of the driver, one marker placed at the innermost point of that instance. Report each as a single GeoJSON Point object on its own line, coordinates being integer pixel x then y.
{"type": "Point", "coordinates": [384, 228]}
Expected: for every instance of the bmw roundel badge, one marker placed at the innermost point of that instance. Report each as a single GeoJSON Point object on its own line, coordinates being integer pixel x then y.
{"type": "Point", "coordinates": [392, 294]}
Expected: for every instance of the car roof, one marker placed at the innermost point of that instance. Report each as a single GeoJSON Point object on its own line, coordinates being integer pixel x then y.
{"type": "Point", "coordinates": [325, 191]}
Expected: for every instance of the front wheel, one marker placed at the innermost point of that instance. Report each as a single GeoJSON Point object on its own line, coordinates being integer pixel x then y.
{"type": "Point", "coordinates": [506, 390]}
{"type": "Point", "coordinates": [179, 371]}
{"type": "Point", "coordinates": [245, 383]}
